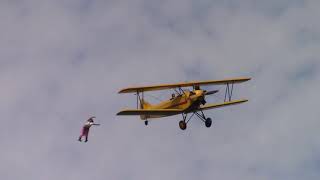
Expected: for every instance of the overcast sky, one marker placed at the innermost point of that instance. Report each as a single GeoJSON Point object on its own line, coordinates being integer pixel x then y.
{"type": "Point", "coordinates": [64, 61]}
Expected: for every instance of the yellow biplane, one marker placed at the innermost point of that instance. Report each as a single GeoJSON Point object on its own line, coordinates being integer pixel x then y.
{"type": "Point", "coordinates": [183, 101]}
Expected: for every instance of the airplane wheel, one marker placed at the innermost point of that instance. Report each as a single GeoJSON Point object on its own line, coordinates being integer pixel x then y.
{"type": "Point", "coordinates": [146, 123]}
{"type": "Point", "coordinates": [208, 122]}
{"type": "Point", "coordinates": [182, 125]}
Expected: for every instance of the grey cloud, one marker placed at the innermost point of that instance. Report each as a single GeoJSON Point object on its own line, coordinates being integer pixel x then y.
{"type": "Point", "coordinates": [64, 61]}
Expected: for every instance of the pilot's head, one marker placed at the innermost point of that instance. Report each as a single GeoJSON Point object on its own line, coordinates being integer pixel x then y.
{"type": "Point", "coordinates": [90, 120]}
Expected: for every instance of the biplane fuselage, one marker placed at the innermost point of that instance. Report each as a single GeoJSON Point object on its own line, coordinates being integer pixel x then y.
{"type": "Point", "coordinates": [187, 102]}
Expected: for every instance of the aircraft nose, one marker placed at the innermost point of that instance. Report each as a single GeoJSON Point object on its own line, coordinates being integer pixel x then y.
{"type": "Point", "coordinates": [200, 93]}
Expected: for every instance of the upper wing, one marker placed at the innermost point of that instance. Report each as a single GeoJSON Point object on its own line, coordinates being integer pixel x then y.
{"type": "Point", "coordinates": [212, 106]}
{"type": "Point", "coordinates": [165, 112]}
{"type": "Point", "coordinates": [186, 84]}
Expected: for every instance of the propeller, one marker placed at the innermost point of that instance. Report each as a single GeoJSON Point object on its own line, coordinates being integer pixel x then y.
{"type": "Point", "coordinates": [197, 87]}
{"type": "Point", "coordinates": [205, 92]}
{"type": "Point", "coordinates": [210, 92]}
{"type": "Point", "coordinates": [203, 100]}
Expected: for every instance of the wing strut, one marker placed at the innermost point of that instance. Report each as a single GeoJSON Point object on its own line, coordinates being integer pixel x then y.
{"type": "Point", "coordinates": [139, 99]}
{"type": "Point", "coordinates": [228, 92]}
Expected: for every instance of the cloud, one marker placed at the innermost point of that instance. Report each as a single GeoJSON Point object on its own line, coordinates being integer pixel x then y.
{"type": "Point", "coordinates": [62, 62]}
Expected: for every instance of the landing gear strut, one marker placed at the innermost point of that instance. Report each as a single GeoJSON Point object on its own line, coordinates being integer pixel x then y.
{"type": "Point", "coordinates": [201, 116]}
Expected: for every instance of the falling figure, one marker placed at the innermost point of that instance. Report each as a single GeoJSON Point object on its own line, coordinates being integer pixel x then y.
{"type": "Point", "coordinates": [86, 127]}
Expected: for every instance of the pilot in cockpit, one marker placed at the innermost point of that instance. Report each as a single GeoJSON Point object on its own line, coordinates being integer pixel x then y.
{"type": "Point", "coordinates": [172, 96]}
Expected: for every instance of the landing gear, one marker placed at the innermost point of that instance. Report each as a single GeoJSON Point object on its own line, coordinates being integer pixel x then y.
{"type": "Point", "coordinates": [208, 122]}
{"type": "Point", "coordinates": [202, 117]}
{"type": "Point", "coordinates": [183, 125]}
{"type": "Point", "coordinates": [146, 122]}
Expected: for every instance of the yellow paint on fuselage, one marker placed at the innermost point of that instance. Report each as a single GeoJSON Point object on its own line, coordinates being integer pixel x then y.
{"type": "Point", "coordinates": [183, 102]}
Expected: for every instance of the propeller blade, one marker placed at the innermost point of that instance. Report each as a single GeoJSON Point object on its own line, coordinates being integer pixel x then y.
{"type": "Point", "coordinates": [211, 92]}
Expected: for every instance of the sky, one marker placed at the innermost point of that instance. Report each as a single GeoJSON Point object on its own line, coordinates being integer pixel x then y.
{"type": "Point", "coordinates": [64, 61]}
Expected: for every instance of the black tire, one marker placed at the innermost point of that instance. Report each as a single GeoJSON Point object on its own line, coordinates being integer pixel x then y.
{"type": "Point", "coordinates": [208, 122]}
{"type": "Point", "coordinates": [146, 123]}
{"type": "Point", "coordinates": [183, 125]}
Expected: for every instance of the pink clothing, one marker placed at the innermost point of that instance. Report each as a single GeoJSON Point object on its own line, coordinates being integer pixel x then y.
{"type": "Point", "coordinates": [85, 130]}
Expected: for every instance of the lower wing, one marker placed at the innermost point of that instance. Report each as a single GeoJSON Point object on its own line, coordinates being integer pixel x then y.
{"type": "Point", "coordinates": [169, 112]}
{"type": "Point", "coordinates": [164, 112]}
{"type": "Point", "coordinates": [213, 106]}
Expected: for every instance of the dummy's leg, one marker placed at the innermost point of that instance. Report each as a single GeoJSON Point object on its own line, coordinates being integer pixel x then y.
{"type": "Point", "coordinates": [83, 133]}
{"type": "Point", "coordinates": [86, 134]}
